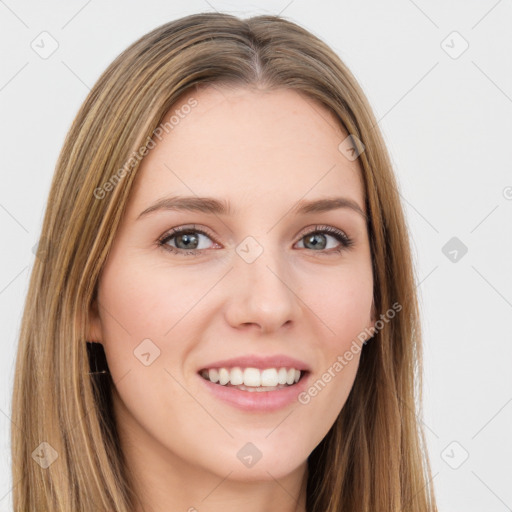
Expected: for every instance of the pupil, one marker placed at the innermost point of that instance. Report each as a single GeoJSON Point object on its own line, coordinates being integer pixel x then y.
{"type": "Point", "coordinates": [312, 237]}
{"type": "Point", "coordinates": [186, 238]}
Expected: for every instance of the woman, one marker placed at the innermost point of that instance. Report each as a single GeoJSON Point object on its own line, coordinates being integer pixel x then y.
{"type": "Point", "coordinates": [223, 313]}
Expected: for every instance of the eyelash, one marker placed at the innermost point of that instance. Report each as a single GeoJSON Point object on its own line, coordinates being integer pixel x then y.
{"type": "Point", "coordinates": [346, 242]}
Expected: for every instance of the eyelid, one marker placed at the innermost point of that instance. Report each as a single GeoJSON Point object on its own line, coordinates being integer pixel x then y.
{"type": "Point", "coordinates": [320, 228]}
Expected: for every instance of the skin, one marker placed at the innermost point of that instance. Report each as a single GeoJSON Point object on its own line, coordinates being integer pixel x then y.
{"type": "Point", "coordinates": [263, 151]}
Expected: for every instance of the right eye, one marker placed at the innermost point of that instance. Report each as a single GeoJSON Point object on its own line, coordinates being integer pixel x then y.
{"type": "Point", "coordinates": [187, 240]}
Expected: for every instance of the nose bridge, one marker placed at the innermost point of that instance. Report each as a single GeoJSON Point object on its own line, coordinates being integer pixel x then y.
{"type": "Point", "coordinates": [262, 293]}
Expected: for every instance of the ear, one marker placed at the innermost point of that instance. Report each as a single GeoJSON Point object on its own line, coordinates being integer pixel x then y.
{"type": "Point", "coordinates": [94, 331]}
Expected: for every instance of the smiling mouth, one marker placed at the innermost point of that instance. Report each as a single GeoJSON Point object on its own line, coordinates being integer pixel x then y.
{"type": "Point", "coordinates": [253, 379]}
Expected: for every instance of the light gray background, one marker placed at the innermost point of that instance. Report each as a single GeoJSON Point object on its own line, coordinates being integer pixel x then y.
{"type": "Point", "coordinates": [447, 121]}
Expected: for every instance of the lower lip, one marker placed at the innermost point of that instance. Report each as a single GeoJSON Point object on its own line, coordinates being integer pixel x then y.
{"type": "Point", "coordinates": [258, 401]}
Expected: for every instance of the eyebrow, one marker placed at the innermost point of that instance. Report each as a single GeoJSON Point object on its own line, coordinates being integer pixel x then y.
{"type": "Point", "coordinates": [214, 206]}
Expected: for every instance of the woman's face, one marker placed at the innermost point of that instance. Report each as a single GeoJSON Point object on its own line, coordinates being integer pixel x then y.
{"type": "Point", "coordinates": [260, 281]}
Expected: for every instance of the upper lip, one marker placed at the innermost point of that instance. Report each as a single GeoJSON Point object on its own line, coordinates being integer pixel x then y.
{"type": "Point", "coordinates": [260, 362]}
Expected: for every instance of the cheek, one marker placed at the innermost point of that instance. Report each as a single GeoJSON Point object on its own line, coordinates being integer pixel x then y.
{"type": "Point", "coordinates": [342, 301]}
{"type": "Point", "coordinates": [141, 303]}
{"type": "Point", "coordinates": [341, 304]}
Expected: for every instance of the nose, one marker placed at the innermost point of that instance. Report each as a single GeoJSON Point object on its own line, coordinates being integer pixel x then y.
{"type": "Point", "coordinates": [262, 294]}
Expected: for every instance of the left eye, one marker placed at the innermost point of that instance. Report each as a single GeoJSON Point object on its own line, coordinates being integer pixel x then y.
{"type": "Point", "coordinates": [319, 240]}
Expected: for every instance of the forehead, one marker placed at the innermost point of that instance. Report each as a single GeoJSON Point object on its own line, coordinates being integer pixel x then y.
{"type": "Point", "coordinates": [249, 145]}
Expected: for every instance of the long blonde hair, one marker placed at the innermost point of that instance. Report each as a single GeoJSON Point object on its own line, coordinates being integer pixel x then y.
{"type": "Point", "coordinates": [374, 456]}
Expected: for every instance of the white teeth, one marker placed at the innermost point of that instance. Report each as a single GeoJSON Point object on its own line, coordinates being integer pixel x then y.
{"type": "Point", "coordinates": [213, 375]}
{"type": "Point", "coordinates": [223, 376]}
{"type": "Point", "coordinates": [236, 376]}
{"type": "Point", "coordinates": [273, 378]}
{"type": "Point", "coordinates": [252, 377]}
{"type": "Point", "coordinates": [269, 377]}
